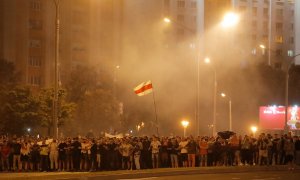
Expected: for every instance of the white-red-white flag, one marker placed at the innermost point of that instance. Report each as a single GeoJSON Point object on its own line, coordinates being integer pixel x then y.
{"type": "Point", "coordinates": [144, 88]}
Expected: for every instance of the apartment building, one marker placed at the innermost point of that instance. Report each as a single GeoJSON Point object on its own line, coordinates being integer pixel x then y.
{"type": "Point", "coordinates": [88, 32]}
{"type": "Point", "coordinates": [297, 31]}
{"type": "Point", "coordinates": [270, 23]}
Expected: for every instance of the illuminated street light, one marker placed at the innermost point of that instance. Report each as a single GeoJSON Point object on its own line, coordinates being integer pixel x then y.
{"type": "Point", "coordinates": [208, 61]}
{"type": "Point", "coordinates": [262, 46]}
{"type": "Point", "coordinates": [28, 130]}
{"type": "Point", "coordinates": [230, 19]}
{"type": "Point", "coordinates": [230, 110]}
{"type": "Point", "coordinates": [185, 124]}
{"type": "Point", "coordinates": [167, 20]}
{"type": "Point", "coordinates": [253, 129]}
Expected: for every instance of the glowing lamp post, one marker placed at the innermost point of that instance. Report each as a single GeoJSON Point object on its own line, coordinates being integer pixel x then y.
{"type": "Point", "coordinates": [230, 19]}
{"type": "Point", "coordinates": [208, 61]}
{"type": "Point", "coordinates": [185, 124]}
{"type": "Point", "coordinates": [230, 110]}
{"type": "Point", "coordinates": [253, 129]}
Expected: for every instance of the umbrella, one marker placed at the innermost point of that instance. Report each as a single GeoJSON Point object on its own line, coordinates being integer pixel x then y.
{"type": "Point", "coordinates": [225, 134]}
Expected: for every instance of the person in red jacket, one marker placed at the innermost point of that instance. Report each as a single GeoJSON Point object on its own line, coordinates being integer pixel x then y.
{"type": "Point", "coordinates": [5, 151]}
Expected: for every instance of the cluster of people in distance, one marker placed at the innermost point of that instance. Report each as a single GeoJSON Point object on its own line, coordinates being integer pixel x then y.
{"type": "Point", "coordinates": [23, 154]}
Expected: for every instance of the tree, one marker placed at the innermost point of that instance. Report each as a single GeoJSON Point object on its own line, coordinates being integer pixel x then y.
{"type": "Point", "coordinates": [19, 111]}
{"type": "Point", "coordinates": [65, 109]}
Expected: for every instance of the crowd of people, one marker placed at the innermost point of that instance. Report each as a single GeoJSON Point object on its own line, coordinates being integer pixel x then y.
{"type": "Point", "coordinates": [22, 154]}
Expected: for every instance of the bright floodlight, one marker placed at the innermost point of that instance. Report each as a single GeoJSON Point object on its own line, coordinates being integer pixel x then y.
{"type": "Point", "coordinates": [185, 123]}
{"type": "Point", "coordinates": [230, 19]}
{"type": "Point", "coordinates": [167, 20]}
{"type": "Point", "coordinates": [207, 60]}
{"type": "Point", "coordinates": [28, 129]}
{"type": "Point", "coordinates": [262, 46]}
{"type": "Point", "coordinates": [253, 129]}
{"type": "Point", "coordinates": [223, 94]}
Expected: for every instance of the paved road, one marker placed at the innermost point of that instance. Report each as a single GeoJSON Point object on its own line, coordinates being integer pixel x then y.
{"type": "Point", "coordinates": [229, 176]}
{"type": "Point", "coordinates": [208, 173]}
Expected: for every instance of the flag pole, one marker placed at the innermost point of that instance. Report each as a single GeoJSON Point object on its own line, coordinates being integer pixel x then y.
{"type": "Point", "coordinates": [156, 120]}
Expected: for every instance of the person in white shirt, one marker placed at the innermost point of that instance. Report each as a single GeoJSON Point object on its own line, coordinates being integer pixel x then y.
{"type": "Point", "coordinates": [25, 151]}
{"type": "Point", "coordinates": [53, 155]}
{"type": "Point", "coordinates": [154, 146]}
{"type": "Point", "coordinates": [184, 151]}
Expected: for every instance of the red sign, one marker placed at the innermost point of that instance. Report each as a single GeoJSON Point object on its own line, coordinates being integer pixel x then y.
{"type": "Point", "coordinates": [273, 117]}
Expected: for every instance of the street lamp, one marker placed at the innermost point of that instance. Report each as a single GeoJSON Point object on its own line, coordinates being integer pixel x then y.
{"type": "Point", "coordinates": [287, 76]}
{"type": "Point", "coordinates": [230, 19]}
{"type": "Point", "coordinates": [208, 61]}
{"type": "Point", "coordinates": [185, 124]}
{"type": "Point", "coordinates": [192, 31]}
{"type": "Point", "coordinates": [230, 110]}
{"type": "Point", "coordinates": [253, 129]}
{"type": "Point", "coordinates": [55, 100]}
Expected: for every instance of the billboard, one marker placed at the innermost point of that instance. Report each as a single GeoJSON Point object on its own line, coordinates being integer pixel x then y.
{"type": "Point", "coordinates": [273, 117]}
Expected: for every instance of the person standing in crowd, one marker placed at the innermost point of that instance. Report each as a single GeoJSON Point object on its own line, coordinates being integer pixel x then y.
{"type": "Point", "coordinates": [155, 146]}
{"type": "Point", "coordinates": [289, 148]}
{"type": "Point", "coordinates": [126, 150]}
{"type": "Point", "coordinates": [184, 151]}
{"type": "Point", "coordinates": [76, 153]}
{"type": "Point", "coordinates": [85, 154]}
{"type": "Point", "coordinates": [173, 151]}
{"type": "Point", "coordinates": [274, 150]}
{"type": "Point", "coordinates": [210, 153]}
{"type": "Point", "coordinates": [146, 161]}
{"type": "Point", "coordinates": [297, 150]}
{"type": "Point", "coordinates": [234, 150]}
{"type": "Point", "coordinates": [16, 150]}
{"type": "Point", "coordinates": [203, 146]}
{"type": "Point", "coordinates": [138, 146]}
{"type": "Point", "coordinates": [53, 155]}
{"type": "Point", "coordinates": [192, 149]}
{"type": "Point", "coordinates": [281, 149]}
{"type": "Point", "coordinates": [69, 155]}
{"type": "Point", "coordinates": [62, 148]}
{"type": "Point", "coordinates": [35, 156]}
{"type": "Point", "coordinates": [262, 144]}
{"type": "Point", "coordinates": [5, 151]}
{"type": "Point", "coordinates": [164, 156]}
{"type": "Point", "coordinates": [246, 156]}
{"type": "Point", "coordinates": [44, 154]}
{"type": "Point", "coordinates": [100, 154]}
{"type": "Point", "coordinates": [94, 149]}
{"type": "Point", "coordinates": [25, 151]}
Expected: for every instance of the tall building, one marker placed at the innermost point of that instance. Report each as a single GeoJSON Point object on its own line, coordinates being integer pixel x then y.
{"type": "Point", "coordinates": [297, 31]}
{"type": "Point", "coordinates": [269, 23]}
{"type": "Point", "coordinates": [27, 36]}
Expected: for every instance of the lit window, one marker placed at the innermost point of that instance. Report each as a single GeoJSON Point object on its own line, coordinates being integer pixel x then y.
{"type": "Point", "coordinates": [278, 39]}
{"type": "Point", "coordinates": [290, 53]}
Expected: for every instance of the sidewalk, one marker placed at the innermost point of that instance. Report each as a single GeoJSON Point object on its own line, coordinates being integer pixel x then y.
{"type": "Point", "coordinates": [143, 173]}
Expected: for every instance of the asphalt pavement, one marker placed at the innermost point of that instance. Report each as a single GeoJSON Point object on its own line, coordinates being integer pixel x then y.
{"type": "Point", "coordinates": [234, 172]}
